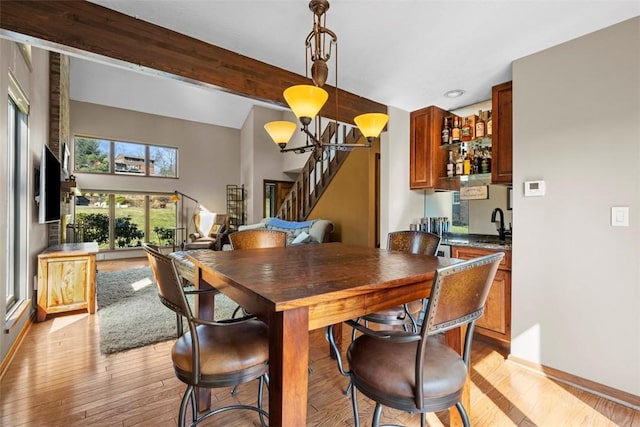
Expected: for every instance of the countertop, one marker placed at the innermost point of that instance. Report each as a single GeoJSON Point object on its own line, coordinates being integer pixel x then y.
{"type": "Point", "coordinates": [486, 241]}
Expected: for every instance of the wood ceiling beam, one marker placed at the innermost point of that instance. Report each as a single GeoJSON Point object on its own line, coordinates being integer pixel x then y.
{"type": "Point", "coordinates": [75, 26]}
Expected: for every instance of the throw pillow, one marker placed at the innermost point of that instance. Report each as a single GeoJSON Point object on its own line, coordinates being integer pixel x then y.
{"type": "Point", "coordinates": [204, 220]}
{"type": "Point", "coordinates": [289, 225]}
{"type": "Point", "coordinates": [303, 237]}
{"type": "Point", "coordinates": [251, 226]}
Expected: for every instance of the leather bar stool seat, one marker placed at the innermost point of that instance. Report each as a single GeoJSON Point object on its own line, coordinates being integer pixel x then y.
{"type": "Point", "coordinates": [444, 372]}
{"type": "Point", "coordinates": [228, 356]}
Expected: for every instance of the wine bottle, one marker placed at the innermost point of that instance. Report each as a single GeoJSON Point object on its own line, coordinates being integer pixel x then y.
{"type": "Point", "coordinates": [480, 126]}
{"type": "Point", "coordinates": [446, 132]}
{"type": "Point", "coordinates": [489, 129]}
{"type": "Point", "coordinates": [455, 131]}
{"type": "Point", "coordinates": [465, 132]}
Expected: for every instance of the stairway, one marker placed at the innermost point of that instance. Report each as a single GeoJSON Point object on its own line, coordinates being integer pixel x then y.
{"type": "Point", "coordinates": [315, 176]}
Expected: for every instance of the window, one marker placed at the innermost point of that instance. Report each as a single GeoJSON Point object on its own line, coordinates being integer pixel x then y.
{"type": "Point", "coordinates": [92, 155]}
{"type": "Point", "coordinates": [16, 202]}
{"type": "Point", "coordinates": [460, 213]}
{"type": "Point", "coordinates": [164, 161]}
{"type": "Point", "coordinates": [129, 158]}
{"type": "Point", "coordinates": [124, 220]}
{"type": "Point", "coordinates": [97, 155]}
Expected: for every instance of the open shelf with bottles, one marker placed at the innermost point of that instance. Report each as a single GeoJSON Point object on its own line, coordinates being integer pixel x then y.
{"type": "Point", "coordinates": [432, 127]}
{"type": "Point", "coordinates": [475, 143]}
{"type": "Point", "coordinates": [469, 160]}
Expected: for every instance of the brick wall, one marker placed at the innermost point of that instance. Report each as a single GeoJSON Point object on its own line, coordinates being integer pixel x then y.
{"type": "Point", "coordinates": [59, 123]}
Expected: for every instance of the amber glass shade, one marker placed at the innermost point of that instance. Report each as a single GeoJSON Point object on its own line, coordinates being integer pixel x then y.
{"type": "Point", "coordinates": [175, 197]}
{"type": "Point", "coordinates": [371, 124]}
{"type": "Point", "coordinates": [280, 131]}
{"type": "Point", "coordinates": [305, 100]}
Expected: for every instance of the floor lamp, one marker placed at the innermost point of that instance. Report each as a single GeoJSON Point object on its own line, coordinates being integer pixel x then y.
{"type": "Point", "coordinates": [179, 197]}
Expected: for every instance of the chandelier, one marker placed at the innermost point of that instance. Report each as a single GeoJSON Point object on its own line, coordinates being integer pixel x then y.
{"type": "Point", "coordinates": [306, 101]}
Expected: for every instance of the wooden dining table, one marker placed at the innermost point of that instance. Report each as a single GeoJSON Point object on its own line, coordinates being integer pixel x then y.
{"type": "Point", "coordinates": [296, 289]}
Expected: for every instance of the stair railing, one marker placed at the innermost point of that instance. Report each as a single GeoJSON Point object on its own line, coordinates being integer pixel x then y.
{"type": "Point", "coordinates": [316, 175]}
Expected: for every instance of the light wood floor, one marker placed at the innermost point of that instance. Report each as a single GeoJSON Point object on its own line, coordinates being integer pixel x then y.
{"type": "Point", "coordinates": [59, 378]}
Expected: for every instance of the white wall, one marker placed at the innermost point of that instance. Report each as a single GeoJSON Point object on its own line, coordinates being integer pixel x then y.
{"type": "Point", "coordinates": [35, 84]}
{"type": "Point", "coordinates": [208, 155]}
{"type": "Point", "coordinates": [576, 279]}
{"type": "Point", "coordinates": [399, 206]}
{"type": "Point", "coordinates": [291, 161]}
{"type": "Point", "coordinates": [246, 165]}
{"type": "Point", "coordinates": [261, 159]}
{"type": "Point", "coordinates": [119, 86]}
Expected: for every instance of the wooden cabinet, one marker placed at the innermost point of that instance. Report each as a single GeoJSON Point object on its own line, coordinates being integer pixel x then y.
{"type": "Point", "coordinates": [67, 279]}
{"type": "Point", "coordinates": [426, 159]}
{"type": "Point", "coordinates": [502, 150]}
{"type": "Point", "coordinates": [496, 321]}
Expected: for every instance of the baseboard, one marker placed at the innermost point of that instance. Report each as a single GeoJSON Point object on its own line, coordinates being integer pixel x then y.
{"type": "Point", "coordinates": [618, 396]}
{"type": "Point", "coordinates": [504, 345]}
{"type": "Point", "coordinates": [6, 361]}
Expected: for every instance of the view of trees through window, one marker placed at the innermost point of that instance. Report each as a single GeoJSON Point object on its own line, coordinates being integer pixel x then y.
{"type": "Point", "coordinates": [460, 213]}
{"type": "Point", "coordinates": [91, 155]}
{"type": "Point", "coordinates": [118, 157]}
{"type": "Point", "coordinates": [125, 220]}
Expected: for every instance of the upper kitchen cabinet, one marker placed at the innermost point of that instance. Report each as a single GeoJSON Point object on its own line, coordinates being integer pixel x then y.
{"type": "Point", "coordinates": [426, 157]}
{"type": "Point", "coordinates": [502, 151]}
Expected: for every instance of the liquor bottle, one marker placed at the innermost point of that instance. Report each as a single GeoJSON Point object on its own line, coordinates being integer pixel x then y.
{"type": "Point", "coordinates": [484, 165]}
{"type": "Point", "coordinates": [480, 126]}
{"type": "Point", "coordinates": [489, 127]}
{"type": "Point", "coordinates": [455, 131]}
{"type": "Point", "coordinates": [460, 164]}
{"type": "Point", "coordinates": [467, 163]}
{"type": "Point", "coordinates": [477, 160]}
{"type": "Point", "coordinates": [465, 132]}
{"type": "Point", "coordinates": [451, 165]}
{"type": "Point", "coordinates": [446, 132]}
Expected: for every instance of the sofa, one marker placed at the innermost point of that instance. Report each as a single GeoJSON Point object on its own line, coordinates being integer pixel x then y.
{"type": "Point", "coordinates": [298, 232]}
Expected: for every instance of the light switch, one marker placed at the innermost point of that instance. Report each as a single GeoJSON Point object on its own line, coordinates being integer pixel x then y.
{"type": "Point", "coordinates": [619, 216]}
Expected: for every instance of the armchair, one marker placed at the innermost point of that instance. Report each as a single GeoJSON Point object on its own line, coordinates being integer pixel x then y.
{"type": "Point", "coordinates": [211, 231]}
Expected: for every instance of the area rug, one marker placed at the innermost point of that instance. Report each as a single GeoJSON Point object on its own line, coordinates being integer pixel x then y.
{"type": "Point", "coordinates": [131, 314]}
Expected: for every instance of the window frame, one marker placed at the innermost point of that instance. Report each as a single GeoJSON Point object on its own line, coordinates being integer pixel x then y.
{"type": "Point", "coordinates": [17, 198]}
{"type": "Point", "coordinates": [148, 162]}
{"type": "Point", "coordinates": [148, 218]}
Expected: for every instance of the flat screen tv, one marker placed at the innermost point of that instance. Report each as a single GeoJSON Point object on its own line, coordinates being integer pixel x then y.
{"type": "Point", "coordinates": [49, 191]}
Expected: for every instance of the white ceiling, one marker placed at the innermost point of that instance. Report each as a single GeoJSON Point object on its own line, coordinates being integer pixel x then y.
{"type": "Point", "coordinates": [401, 53]}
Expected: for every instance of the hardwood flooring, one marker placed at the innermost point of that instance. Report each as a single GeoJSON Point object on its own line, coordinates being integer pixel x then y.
{"type": "Point", "coordinates": [59, 378]}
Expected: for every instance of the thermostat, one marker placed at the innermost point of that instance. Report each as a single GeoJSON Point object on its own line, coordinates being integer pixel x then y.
{"type": "Point", "coordinates": [534, 188]}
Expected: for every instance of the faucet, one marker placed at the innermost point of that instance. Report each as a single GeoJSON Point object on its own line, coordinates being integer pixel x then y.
{"type": "Point", "coordinates": [499, 225]}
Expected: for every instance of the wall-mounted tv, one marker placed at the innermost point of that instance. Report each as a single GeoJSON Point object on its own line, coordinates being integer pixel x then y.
{"type": "Point", "coordinates": [49, 191]}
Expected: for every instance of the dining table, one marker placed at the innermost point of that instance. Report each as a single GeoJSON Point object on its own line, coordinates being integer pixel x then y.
{"type": "Point", "coordinates": [299, 288]}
